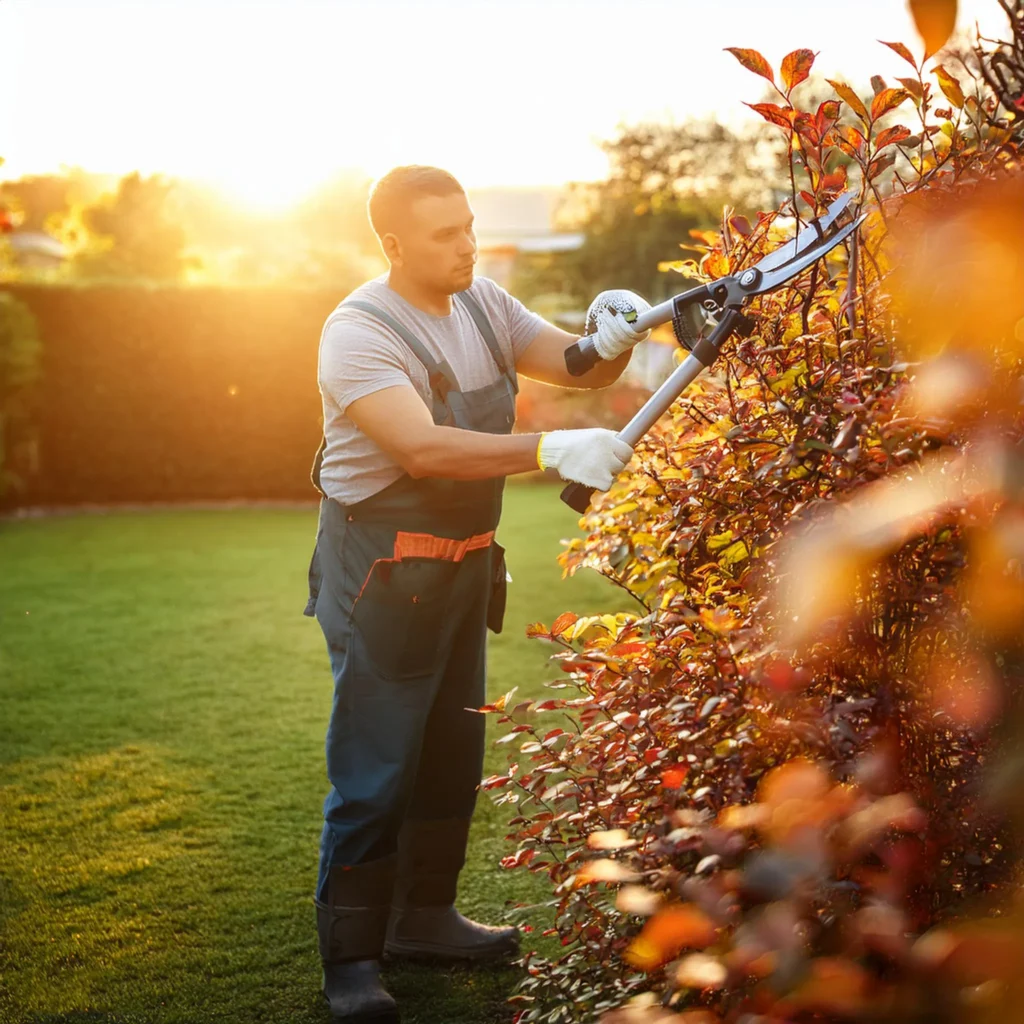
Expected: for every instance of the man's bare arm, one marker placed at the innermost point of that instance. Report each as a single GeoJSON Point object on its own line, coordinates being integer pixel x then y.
{"type": "Point", "coordinates": [544, 360]}
{"type": "Point", "coordinates": [397, 420]}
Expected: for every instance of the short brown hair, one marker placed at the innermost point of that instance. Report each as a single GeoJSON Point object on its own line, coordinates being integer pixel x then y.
{"type": "Point", "coordinates": [393, 194]}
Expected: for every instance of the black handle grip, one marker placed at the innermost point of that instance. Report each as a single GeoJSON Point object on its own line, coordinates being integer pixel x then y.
{"type": "Point", "coordinates": [577, 497]}
{"type": "Point", "coordinates": [581, 357]}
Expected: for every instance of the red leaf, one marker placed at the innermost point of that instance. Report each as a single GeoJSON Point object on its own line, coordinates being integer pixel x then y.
{"type": "Point", "coordinates": [774, 113]}
{"type": "Point", "coordinates": [836, 181]}
{"type": "Point", "coordinates": [852, 100]}
{"type": "Point", "coordinates": [753, 61]}
{"type": "Point", "coordinates": [796, 66]}
{"type": "Point", "coordinates": [827, 115]}
{"type": "Point", "coordinates": [897, 133]}
{"type": "Point", "coordinates": [673, 778]}
{"type": "Point", "coordinates": [880, 163]}
{"type": "Point", "coordinates": [886, 100]}
{"type": "Point", "coordinates": [740, 225]}
{"type": "Point", "coordinates": [902, 51]}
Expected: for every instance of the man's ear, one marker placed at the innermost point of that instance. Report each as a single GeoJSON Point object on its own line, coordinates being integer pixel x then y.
{"type": "Point", "coordinates": [392, 249]}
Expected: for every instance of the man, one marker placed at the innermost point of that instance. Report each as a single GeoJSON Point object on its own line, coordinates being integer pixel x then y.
{"type": "Point", "coordinates": [418, 374]}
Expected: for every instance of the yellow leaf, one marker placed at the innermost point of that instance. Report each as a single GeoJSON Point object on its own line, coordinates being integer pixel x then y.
{"type": "Point", "coordinates": [733, 553]}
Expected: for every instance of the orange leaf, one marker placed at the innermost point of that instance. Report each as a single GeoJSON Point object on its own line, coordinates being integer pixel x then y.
{"type": "Point", "coordinates": [612, 839]}
{"type": "Point", "coordinates": [902, 51]}
{"type": "Point", "coordinates": [773, 112]}
{"type": "Point", "coordinates": [605, 870]}
{"type": "Point", "coordinates": [753, 61]}
{"type": "Point", "coordinates": [796, 66]}
{"type": "Point", "coordinates": [682, 926]}
{"type": "Point", "coordinates": [834, 985]}
{"type": "Point", "coordinates": [562, 623]}
{"type": "Point", "coordinates": [673, 778]}
{"type": "Point", "coordinates": [950, 86]}
{"type": "Point", "coordinates": [835, 181]}
{"type": "Point", "coordinates": [797, 779]}
{"type": "Point", "coordinates": [852, 100]}
{"type": "Point", "coordinates": [935, 21]}
{"type": "Point", "coordinates": [886, 100]}
{"type": "Point", "coordinates": [897, 133]}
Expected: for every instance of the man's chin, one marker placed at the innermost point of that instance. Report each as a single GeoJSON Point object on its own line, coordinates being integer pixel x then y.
{"type": "Point", "coordinates": [462, 279]}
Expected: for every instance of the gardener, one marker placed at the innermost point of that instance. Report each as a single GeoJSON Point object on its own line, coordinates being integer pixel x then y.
{"type": "Point", "coordinates": [418, 373]}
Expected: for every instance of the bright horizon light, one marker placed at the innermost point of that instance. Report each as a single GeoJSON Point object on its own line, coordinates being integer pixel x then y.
{"type": "Point", "coordinates": [266, 100]}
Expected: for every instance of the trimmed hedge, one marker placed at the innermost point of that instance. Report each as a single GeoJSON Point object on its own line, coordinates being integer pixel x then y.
{"type": "Point", "coordinates": [174, 394]}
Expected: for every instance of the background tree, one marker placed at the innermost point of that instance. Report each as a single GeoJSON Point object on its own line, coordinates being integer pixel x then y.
{"type": "Point", "coordinates": [664, 181]}
{"type": "Point", "coordinates": [131, 233]}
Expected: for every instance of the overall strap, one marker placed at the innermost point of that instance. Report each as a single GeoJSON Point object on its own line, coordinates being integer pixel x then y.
{"type": "Point", "coordinates": [487, 332]}
{"type": "Point", "coordinates": [441, 376]}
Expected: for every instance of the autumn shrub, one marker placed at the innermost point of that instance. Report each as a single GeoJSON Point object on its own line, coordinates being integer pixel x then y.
{"type": "Point", "coordinates": [771, 792]}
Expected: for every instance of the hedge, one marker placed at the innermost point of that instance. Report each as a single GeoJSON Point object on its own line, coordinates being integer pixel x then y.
{"type": "Point", "coordinates": [173, 393]}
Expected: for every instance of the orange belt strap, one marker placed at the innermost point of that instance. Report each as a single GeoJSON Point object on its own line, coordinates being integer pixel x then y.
{"type": "Point", "coordinates": [426, 545]}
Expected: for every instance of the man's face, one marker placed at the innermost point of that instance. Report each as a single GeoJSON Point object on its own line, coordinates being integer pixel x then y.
{"type": "Point", "coordinates": [438, 245]}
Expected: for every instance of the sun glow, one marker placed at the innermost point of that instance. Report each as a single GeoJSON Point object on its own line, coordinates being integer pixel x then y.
{"type": "Point", "coordinates": [268, 99]}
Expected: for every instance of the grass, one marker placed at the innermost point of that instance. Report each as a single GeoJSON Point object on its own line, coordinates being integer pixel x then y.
{"type": "Point", "coordinates": [162, 710]}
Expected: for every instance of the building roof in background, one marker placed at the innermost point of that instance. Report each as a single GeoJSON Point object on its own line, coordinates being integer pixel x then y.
{"type": "Point", "coordinates": [520, 218]}
{"type": "Point", "coordinates": [36, 243]}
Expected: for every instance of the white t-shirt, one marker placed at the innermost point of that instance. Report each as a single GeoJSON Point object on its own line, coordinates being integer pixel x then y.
{"type": "Point", "coordinates": [360, 355]}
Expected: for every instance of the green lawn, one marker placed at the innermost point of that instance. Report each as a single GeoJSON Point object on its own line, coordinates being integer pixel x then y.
{"type": "Point", "coordinates": [162, 709]}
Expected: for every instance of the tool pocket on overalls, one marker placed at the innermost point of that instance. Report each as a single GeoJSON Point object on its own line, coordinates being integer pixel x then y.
{"type": "Point", "coordinates": [499, 589]}
{"type": "Point", "coordinates": [400, 614]}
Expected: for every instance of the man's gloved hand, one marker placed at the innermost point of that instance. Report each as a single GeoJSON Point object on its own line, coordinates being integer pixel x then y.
{"type": "Point", "coordinates": [592, 456]}
{"type": "Point", "coordinates": [610, 319]}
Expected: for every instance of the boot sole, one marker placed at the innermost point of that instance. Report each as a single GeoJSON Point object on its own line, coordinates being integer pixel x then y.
{"type": "Point", "coordinates": [374, 1017]}
{"type": "Point", "coordinates": [441, 955]}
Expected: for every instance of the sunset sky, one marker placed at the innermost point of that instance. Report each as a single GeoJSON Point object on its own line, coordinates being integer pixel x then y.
{"type": "Point", "coordinates": [267, 99]}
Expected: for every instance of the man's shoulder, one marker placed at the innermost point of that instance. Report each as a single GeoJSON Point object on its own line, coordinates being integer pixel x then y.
{"type": "Point", "coordinates": [483, 289]}
{"type": "Point", "coordinates": [346, 315]}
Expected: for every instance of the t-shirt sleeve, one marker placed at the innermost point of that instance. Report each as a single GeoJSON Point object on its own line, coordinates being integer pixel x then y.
{"type": "Point", "coordinates": [522, 325]}
{"type": "Point", "coordinates": [356, 361]}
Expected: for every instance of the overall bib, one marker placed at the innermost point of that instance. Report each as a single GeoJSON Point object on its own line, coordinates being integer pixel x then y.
{"type": "Point", "coordinates": [404, 585]}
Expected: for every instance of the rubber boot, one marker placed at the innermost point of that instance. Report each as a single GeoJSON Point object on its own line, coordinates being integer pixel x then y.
{"type": "Point", "coordinates": [424, 923]}
{"type": "Point", "coordinates": [351, 927]}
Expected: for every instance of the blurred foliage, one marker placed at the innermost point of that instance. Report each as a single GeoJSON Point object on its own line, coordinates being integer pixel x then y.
{"type": "Point", "coordinates": [782, 790]}
{"type": "Point", "coordinates": [130, 234]}
{"type": "Point", "coordinates": [159, 230]}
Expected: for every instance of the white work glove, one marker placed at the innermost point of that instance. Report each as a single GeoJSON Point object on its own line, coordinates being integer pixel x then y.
{"type": "Point", "coordinates": [592, 456]}
{"type": "Point", "coordinates": [610, 319]}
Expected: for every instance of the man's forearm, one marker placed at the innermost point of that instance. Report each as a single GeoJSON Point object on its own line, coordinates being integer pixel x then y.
{"type": "Point", "coordinates": [471, 454]}
{"type": "Point", "coordinates": [607, 371]}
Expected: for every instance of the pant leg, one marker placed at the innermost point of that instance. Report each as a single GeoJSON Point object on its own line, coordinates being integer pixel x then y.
{"type": "Point", "coordinates": [450, 763]}
{"type": "Point", "coordinates": [373, 745]}
{"type": "Point", "coordinates": [388, 627]}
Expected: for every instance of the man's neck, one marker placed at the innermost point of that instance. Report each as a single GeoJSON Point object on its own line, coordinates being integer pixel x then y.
{"type": "Point", "coordinates": [430, 301]}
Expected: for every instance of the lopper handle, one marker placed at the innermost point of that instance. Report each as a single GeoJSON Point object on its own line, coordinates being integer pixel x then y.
{"type": "Point", "coordinates": [577, 497]}
{"type": "Point", "coordinates": [581, 356]}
